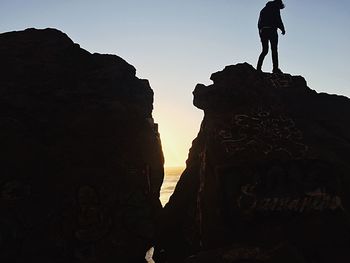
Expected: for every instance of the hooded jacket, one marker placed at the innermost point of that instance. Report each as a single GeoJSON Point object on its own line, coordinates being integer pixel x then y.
{"type": "Point", "coordinates": [270, 16]}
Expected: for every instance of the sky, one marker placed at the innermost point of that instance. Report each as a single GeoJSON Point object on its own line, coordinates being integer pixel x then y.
{"type": "Point", "coordinates": [179, 43]}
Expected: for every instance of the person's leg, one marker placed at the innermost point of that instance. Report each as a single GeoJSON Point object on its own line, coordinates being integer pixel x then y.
{"type": "Point", "coordinates": [274, 51]}
{"type": "Point", "coordinates": [265, 49]}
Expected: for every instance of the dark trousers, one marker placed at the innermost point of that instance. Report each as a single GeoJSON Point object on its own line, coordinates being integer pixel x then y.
{"type": "Point", "coordinates": [266, 35]}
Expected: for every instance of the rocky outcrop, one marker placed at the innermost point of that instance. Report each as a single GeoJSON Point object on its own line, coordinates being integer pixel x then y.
{"type": "Point", "coordinates": [267, 178]}
{"type": "Point", "coordinates": [81, 159]}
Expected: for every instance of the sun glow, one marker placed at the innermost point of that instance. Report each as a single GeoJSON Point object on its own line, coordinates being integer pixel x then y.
{"type": "Point", "coordinates": [175, 144]}
{"type": "Point", "coordinates": [177, 131]}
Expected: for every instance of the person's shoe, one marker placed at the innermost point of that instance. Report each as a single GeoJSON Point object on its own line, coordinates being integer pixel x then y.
{"type": "Point", "coordinates": [277, 71]}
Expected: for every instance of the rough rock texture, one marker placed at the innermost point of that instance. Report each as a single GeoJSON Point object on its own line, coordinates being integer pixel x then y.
{"type": "Point", "coordinates": [267, 178]}
{"type": "Point", "coordinates": [81, 160]}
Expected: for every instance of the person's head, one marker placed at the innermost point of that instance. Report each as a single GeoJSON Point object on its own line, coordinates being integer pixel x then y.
{"type": "Point", "coordinates": [280, 4]}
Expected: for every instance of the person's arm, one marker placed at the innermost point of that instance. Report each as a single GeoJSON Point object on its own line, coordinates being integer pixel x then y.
{"type": "Point", "coordinates": [280, 24]}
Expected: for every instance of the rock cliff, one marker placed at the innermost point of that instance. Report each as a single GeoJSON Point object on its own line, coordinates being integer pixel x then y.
{"type": "Point", "coordinates": [81, 159]}
{"type": "Point", "coordinates": [267, 178]}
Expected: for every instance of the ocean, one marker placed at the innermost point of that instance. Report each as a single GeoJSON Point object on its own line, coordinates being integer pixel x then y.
{"type": "Point", "coordinates": [171, 177]}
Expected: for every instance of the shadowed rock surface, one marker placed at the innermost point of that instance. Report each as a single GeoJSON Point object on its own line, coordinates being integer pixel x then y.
{"type": "Point", "coordinates": [267, 178]}
{"type": "Point", "coordinates": [81, 160]}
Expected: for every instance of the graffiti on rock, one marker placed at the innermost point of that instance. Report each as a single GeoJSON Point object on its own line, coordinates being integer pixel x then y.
{"type": "Point", "coordinates": [93, 223]}
{"type": "Point", "coordinates": [264, 133]}
{"type": "Point", "coordinates": [15, 190]}
{"type": "Point", "coordinates": [296, 186]}
{"type": "Point", "coordinates": [279, 81]}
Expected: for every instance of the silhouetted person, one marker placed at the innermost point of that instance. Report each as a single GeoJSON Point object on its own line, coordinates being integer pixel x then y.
{"type": "Point", "coordinates": [269, 21]}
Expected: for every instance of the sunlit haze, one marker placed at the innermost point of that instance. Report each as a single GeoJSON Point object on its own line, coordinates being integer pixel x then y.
{"type": "Point", "coordinates": [177, 44]}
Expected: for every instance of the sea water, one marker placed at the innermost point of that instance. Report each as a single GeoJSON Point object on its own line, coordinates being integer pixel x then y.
{"type": "Point", "coordinates": [171, 177]}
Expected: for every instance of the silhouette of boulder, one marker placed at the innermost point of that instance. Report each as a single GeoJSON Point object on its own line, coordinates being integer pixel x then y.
{"type": "Point", "coordinates": [81, 159]}
{"type": "Point", "coordinates": [267, 178]}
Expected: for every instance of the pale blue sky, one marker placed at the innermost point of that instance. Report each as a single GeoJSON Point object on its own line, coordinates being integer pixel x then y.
{"type": "Point", "coordinates": [176, 44]}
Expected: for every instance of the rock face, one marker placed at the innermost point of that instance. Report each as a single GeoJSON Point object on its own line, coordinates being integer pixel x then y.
{"type": "Point", "coordinates": [81, 159]}
{"type": "Point", "coordinates": [267, 178]}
